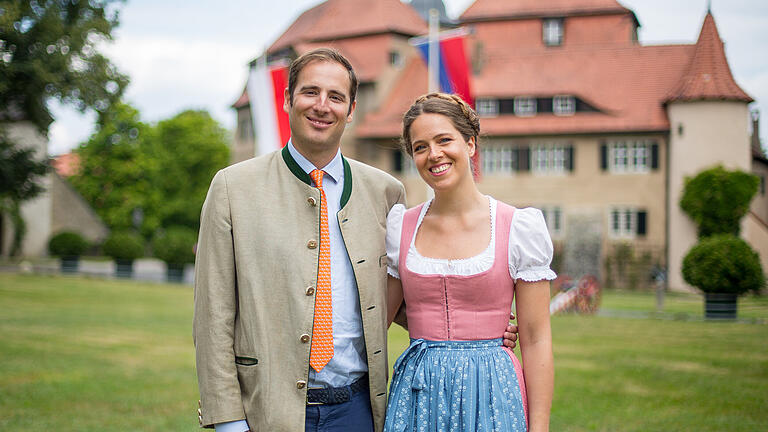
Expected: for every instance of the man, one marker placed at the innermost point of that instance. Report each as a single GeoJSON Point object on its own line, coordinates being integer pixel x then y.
{"type": "Point", "coordinates": [290, 279]}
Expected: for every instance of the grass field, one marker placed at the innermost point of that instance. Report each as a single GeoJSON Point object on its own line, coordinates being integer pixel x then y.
{"type": "Point", "coordinates": [94, 355]}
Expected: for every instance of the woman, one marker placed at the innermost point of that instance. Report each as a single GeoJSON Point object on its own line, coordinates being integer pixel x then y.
{"type": "Point", "coordinates": [458, 261]}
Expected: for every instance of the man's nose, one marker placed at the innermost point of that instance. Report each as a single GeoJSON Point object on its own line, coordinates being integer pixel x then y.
{"type": "Point", "coordinates": [322, 103]}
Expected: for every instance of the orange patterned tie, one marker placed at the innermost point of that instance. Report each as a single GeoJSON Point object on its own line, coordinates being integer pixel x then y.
{"type": "Point", "coordinates": [321, 350]}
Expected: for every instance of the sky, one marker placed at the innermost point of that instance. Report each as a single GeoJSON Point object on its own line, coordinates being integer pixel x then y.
{"type": "Point", "coordinates": [193, 54]}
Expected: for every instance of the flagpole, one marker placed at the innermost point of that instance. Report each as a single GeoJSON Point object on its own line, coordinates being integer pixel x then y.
{"type": "Point", "coordinates": [434, 50]}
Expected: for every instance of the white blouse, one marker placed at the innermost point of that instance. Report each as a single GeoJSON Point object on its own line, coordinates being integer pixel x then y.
{"type": "Point", "coordinates": [529, 254]}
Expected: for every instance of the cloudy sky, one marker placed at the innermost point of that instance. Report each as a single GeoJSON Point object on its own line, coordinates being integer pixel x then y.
{"type": "Point", "coordinates": [184, 54]}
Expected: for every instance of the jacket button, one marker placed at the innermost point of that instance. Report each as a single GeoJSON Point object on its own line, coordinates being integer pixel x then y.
{"type": "Point", "coordinates": [310, 290]}
{"type": "Point", "coordinates": [300, 384]}
{"type": "Point", "coordinates": [312, 244]}
{"type": "Point", "coordinates": [312, 201]}
{"type": "Point", "coordinates": [305, 338]}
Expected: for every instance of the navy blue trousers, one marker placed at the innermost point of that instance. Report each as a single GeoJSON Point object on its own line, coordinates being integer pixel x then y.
{"type": "Point", "coordinates": [352, 416]}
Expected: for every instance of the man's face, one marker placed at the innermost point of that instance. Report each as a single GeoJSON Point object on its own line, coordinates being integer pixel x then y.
{"type": "Point", "coordinates": [321, 106]}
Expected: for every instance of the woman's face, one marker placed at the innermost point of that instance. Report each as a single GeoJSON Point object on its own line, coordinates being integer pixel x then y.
{"type": "Point", "coordinates": [440, 153]}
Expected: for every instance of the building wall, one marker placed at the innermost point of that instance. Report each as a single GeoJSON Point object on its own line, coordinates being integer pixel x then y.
{"type": "Point", "coordinates": [243, 141]}
{"type": "Point", "coordinates": [36, 212]}
{"type": "Point", "coordinates": [755, 232]}
{"type": "Point", "coordinates": [703, 134]}
{"type": "Point", "coordinates": [759, 205]}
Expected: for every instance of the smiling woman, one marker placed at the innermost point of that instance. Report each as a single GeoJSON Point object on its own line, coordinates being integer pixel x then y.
{"type": "Point", "coordinates": [458, 261]}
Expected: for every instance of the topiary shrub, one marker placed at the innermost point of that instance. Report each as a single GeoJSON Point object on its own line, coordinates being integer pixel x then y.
{"type": "Point", "coordinates": [124, 246]}
{"type": "Point", "coordinates": [175, 246]}
{"type": "Point", "coordinates": [716, 199]}
{"type": "Point", "coordinates": [723, 264]}
{"type": "Point", "coordinates": [67, 244]}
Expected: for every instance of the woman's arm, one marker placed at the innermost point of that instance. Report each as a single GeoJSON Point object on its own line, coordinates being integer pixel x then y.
{"type": "Point", "coordinates": [394, 298]}
{"type": "Point", "coordinates": [532, 299]}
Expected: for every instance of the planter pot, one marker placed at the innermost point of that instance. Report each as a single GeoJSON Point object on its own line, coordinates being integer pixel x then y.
{"type": "Point", "coordinates": [720, 306]}
{"type": "Point", "coordinates": [70, 264]}
{"type": "Point", "coordinates": [174, 273]}
{"type": "Point", "coordinates": [124, 268]}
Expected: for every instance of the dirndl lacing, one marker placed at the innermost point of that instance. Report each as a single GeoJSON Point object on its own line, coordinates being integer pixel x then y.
{"type": "Point", "coordinates": [455, 386]}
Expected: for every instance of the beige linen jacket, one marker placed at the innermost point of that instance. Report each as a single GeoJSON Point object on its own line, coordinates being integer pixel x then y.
{"type": "Point", "coordinates": [255, 274]}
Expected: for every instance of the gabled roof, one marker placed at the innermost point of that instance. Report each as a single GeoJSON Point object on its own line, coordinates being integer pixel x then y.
{"type": "Point", "coordinates": [242, 100]}
{"type": "Point", "coordinates": [67, 164]}
{"type": "Point", "coordinates": [369, 55]}
{"type": "Point", "coordinates": [640, 78]}
{"type": "Point", "coordinates": [337, 19]}
{"type": "Point", "coordinates": [484, 10]}
{"type": "Point", "coordinates": [708, 76]}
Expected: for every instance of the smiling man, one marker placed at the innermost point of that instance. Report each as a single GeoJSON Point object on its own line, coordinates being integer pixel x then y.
{"type": "Point", "coordinates": [290, 279]}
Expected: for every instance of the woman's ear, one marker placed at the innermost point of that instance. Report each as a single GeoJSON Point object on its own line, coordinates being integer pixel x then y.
{"type": "Point", "coordinates": [471, 147]}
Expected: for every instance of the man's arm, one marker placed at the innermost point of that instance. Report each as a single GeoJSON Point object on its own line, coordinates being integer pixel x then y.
{"type": "Point", "coordinates": [215, 303]}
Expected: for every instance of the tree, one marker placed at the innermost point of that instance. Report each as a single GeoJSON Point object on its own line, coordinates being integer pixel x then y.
{"type": "Point", "coordinates": [48, 50]}
{"type": "Point", "coordinates": [19, 181]}
{"type": "Point", "coordinates": [115, 170]}
{"type": "Point", "coordinates": [188, 149]}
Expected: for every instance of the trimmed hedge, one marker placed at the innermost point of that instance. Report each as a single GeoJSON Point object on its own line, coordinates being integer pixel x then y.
{"type": "Point", "coordinates": [176, 246]}
{"type": "Point", "coordinates": [723, 263]}
{"type": "Point", "coordinates": [124, 245]}
{"type": "Point", "coordinates": [67, 244]}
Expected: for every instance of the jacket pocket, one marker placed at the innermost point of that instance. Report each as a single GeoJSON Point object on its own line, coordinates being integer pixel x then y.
{"type": "Point", "coordinates": [246, 361]}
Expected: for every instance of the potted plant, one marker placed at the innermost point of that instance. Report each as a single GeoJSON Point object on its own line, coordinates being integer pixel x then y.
{"type": "Point", "coordinates": [175, 246]}
{"type": "Point", "coordinates": [124, 247]}
{"type": "Point", "coordinates": [68, 245]}
{"type": "Point", "coordinates": [723, 266]}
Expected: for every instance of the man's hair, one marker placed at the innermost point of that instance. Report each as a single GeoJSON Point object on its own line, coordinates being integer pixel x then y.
{"type": "Point", "coordinates": [322, 54]}
{"type": "Point", "coordinates": [461, 115]}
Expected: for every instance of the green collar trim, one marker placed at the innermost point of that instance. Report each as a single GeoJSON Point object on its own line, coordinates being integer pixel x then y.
{"type": "Point", "coordinates": [304, 177]}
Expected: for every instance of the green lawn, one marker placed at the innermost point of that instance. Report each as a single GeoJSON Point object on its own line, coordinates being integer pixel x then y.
{"type": "Point", "coordinates": [92, 355]}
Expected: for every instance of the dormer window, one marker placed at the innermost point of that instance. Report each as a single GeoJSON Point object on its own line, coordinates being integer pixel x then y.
{"type": "Point", "coordinates": [564, 105]}
{"type": "Point", "coordinates": [487, 107]}
{"type": "Point", "coordinates": [525, 106]}
{"type": "Point", "coordinates": [552, 31]}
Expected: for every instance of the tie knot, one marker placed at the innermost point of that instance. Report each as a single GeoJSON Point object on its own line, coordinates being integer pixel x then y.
{"type": "Point", "coordinates": [317, 177]}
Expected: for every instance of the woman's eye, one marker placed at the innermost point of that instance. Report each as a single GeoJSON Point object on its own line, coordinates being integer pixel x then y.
{"type": "Point", "coordinates": [418, 147]}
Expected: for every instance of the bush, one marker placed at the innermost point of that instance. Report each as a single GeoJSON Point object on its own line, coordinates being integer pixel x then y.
{"type": "Point", "coordinates": [716, 199]}
{"type": "Point", "coordinates": [176, 245]}
{"type": "Point", "coordinates": [124, 245]}
{"type": "Point", "coordinates": [67, 244]}
{"type": "Point", "coordinates": [723, 264]}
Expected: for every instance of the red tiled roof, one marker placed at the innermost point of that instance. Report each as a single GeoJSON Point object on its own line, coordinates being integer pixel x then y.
{"type": "Point", "coordinates": [369, 55]}
{"type": "Point", "coordinates": [242, 100]}
{"type": "Point", "coordinates": [482, 10]}
{"type": "Point", "coordinates": [338, 19]}
{"type": "Point", "coordinates": [708, 77]}
{"type": "Point", "coordinates": [627, 83]}
{"type": "Point", "coordinates": [67, 164]}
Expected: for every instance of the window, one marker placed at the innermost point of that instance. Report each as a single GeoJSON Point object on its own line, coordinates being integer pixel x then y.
{"type": "Point", "coordinates": [627, 222]}
{"type": "Point", "coordinates": [403, 164]}
{"type": "Point", "coordinates": [564, 105]}
{"type": "Point", "coordinates": [395, 59]}
{"type": "Point", "coordinates": [551, 158]}
{"type": "Point", "coordinates": [525, 106]}
{"type": "Point", "coordinates": [632, 156]}
{"type": "Point", "coordinates": [553, 216]}
{"type": "Point", "coordinates": [499, 159]}
{"type": "Point", "coordinates": [487, 107]}
{"type": "Point", "coordinates": [552, 31]}
{"type": "Point", "coordinates": [762, 185]}
{"type": "Point", "coordinates": [244, 129]}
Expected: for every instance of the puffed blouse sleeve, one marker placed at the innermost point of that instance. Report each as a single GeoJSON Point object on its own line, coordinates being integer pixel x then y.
{"type": "Point", "coordinates": [530, 247]}
{"type": "Point", "coordinates": [394, 231]}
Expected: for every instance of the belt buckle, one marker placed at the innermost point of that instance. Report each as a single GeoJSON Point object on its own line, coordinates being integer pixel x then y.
{"type": "Point", "coordinates": [314, 403]}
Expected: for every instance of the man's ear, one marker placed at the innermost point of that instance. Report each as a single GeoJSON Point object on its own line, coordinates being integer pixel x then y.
{"type": "Point", "coordinates": [351, 111]}
{"type": "Point", "coordinates": [286, 100]}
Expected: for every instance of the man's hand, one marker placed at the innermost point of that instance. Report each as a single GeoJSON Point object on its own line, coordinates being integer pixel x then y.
{"type": "Point", "coordinates": [510, 334]}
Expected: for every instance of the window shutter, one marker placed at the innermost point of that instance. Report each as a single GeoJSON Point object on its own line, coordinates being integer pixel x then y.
{"type": "Point", "coordinates": [397, 160]}
{"type": "Point", "coordinates": [524, 158]}
{"type": "Point", "coordinates": [642, 217]}
{"type": "Point", "coordinates": [569, 158]}
{"type": "Point", "coordinates": [604, 156]}
{"type": "Point", "coordinates": [654, 155]}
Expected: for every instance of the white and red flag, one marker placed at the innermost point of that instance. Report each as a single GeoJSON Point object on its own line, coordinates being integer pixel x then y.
{"type": "Point", "coordinates": [266, 86]}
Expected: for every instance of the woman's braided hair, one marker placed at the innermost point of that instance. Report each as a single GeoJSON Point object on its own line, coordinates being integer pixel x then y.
{"type": "Point", "coordinates": [461, 115]}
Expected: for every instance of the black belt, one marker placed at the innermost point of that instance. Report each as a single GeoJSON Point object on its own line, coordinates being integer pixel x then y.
{"type": "Point", "coordinates": [336, 395]}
